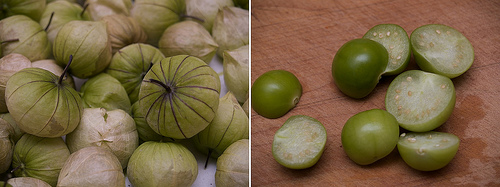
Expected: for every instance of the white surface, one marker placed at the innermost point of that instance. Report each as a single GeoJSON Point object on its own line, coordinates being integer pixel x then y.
{"type": "Point", "coordinates": [206, 177]}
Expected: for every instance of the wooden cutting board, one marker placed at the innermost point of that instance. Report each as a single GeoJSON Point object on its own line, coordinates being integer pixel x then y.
{"type": "Point", "coordinates": [303, 37]}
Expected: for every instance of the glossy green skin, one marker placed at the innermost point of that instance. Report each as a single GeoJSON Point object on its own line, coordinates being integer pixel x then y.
{"type": "Point", "coordinates": [425, 153]}
{"type": "Point", "coordinates": [275, 92]}
{"type": "Point", "coordinates": [358, 65]}
{"type": "Point", "coordinates": [442, 50]}
{"type": "Point", "coordinates": [404, 99]}
{"type": "Point", "coordinates": [369, 136]}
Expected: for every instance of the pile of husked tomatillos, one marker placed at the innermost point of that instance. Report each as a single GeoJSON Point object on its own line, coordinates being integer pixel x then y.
{"type": "Point", "coordinates": [149, 91]}
{"type": "Point", "coordinates": [419, 101]}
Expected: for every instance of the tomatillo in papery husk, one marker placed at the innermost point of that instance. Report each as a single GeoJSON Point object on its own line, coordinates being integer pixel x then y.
{"type": "Point", "coordinates": [232, 165]}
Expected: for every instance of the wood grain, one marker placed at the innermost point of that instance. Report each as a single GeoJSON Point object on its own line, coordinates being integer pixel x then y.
{"type": "Point", "coordinates": [303, 36]}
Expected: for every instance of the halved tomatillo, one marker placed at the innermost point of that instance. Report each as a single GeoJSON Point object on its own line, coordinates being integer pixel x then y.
{"type": "Point", "coordinates": [442, 50]}
{"type": "Point", "coordinates": [419, 100]}
{"type": "Point", "coordinates": [428, 151]}
{"type": "Point", "coordinates": [299, 143]}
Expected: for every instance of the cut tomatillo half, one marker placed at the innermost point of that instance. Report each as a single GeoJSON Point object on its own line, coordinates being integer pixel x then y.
{"type": "Point", "coordinates": [300, 142]}
{"type": "Point", "coordinates": [395, 39]}
{"type": "Point", "coordinates": [441, 49]}
{"type": "Point", "coordinates": [419, 100]}
{"type": "Point", "coordinates": [428, 151]}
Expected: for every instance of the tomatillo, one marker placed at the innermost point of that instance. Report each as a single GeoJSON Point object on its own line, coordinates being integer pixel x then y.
{"type": "Point", "coordinates": [275, 92]}
{"type": "Point", "coordinates": [358, 66]}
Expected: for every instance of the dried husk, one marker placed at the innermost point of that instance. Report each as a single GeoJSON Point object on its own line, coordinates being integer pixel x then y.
{"type": "Point", "coordinates": [143, 129]}
{"type": "Point", "coordinates": [17, 133]}
{"type": "Point", "coordinates": [6, 145]}
{"type": "Point", "coordinates": [41, 105]}
{"type": "Point", "coordinates": [64, 12]}
{"type": "Point", "coordinates": [30, 8]}
{"type": "Point", "coordinates": [114, 130]}
{"type": "Point", "coordinates": [229, 125]}
{"type": "Point", "coordinates": [206, 10]}
{"type": "Point", "coordinates": [154, 16]}
{"type": "Point", "coordinates": [188, 38]}
{"type": "Point", "coordinates": [130, 64]}
{"type": "Point", "coordinates": [33, 42]}
{"type": "Point", "coordinates": [73, 1]}
{"type": "Point", "coordinates": [123, 31]}
{"type": "Point", "coordinates": [27, 181]}
{"type": "Point", "coordinates": [51, 65]}
{"type": "Point", "coordinates": [147, 166]}
{"type": "Point", "coordinates": [38, 157]}
{"type": "Point", "coordinates": [232, 166]}
{"type": "Point", "coordinates": [104, 91]}
{"type": "Point", "coordinates": [88, 42]}
{"type": "Point", "coordinates": [92, 166]}
{"type": "Point", "coordinates": [102, 8]}
{"type": "Point", "coordinates": [236, 72]}
{"type": "Point", "coordinates": [246, 106]}
{"type": "Point", "coordinates": [179, 96]}
{"type": "Point", "coordinates": [10, 64]}
{"type": "Point", "coordinates": [231, 28]}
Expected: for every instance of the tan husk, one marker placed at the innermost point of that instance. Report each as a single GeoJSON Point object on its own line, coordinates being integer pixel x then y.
{"type": "Point", "coordinates": [27, 181]}
{"type": "Point", "coordinates": [88, 42]}
{"type": "Point", "coordinates": [101, 8]}
{"type": "Point", "coordinates": [18, 133]}
{"type": "Point", "coordinates": [231, 28]}
{"type": "Point", "coordinates": [236, 72]}
{"type": "Point", "coordinates": [114, 130]}
{"type": "Point", "coordinates": [206, 10]}
{"type": "Point", "coordinates": [6, 145]}
{"type": "Point", "coordinates": [188, 38]}
{"type": "Point", "coordinates": [246, 106]}
{"type": "Point", "coordinates": [232, 166]}
{"type": "Point", "coordinates": [123, 31]}
{"type": "Point", "coordinates": [92, 166]}
{"type": "Point", "coordinates": [10, 64]}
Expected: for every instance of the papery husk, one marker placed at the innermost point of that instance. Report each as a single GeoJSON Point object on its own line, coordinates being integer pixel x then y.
{"type": "Point", "coordinates": [104, 91]}
{"type": "Point", "coordinates": [64, 12]}
{"type": "Point", "coordinates": [6, 145]}
{"type": "Point", "coordinates": [231, 28]}
{"type": "Point", "coordinates": [10, 64]}
{"type": "Point", "coordinates": [123, 31]}
{"type": "Point", "coordinates": [236, 72]}
{"type": "Point", "coordinates": [102, 8]}
{"type": "Point", "coordinates": [131, 63]}
{"type": "Point", "coordinates": [30, 8]}
{"type": "Point", "coordinates": [189, 103]}
{"type": "Point", "coordinates": [40, 105]}
{"type": "Point", "coordinates": [143, 129]}
{"type": "Point", "coordinates": [114, 130]}
{"type": "Point", "coordinates": [92, 166]}
{"type": "Point", "coordinates": [88, 42]}
{"type": "Point", "coordinates": [206, 10]}
{"type": "Point", "coordinates": [246, 106]}
{"type": "Point", "coordinates": [154, 16]}
{"type": "Point", "coordinates": [51, 65]}
{"type": "Point", "coordinates": [17, 133]}
{"type": "Point", "coordinates": [73, 1]}
{"type": "Point", "coordinates": [229, 125]}
{"type": "Point", "coordinates": [33, 41]}
{"type": "Point", "coordinates": [232, 166]}
{"type": "Point", "coordinates": [27, 181]}
{"type": "Point", "coordinates": [147, 166]}
{"type": "Point", "coordinates": [40, 158]}
{"type": "Point", "coordinates": [188, 38]}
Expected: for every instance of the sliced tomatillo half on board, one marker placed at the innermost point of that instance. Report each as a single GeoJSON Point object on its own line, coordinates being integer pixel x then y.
{"type": "Point", "coordinates": [419, 100]}
{"type": "Point", "coordinates": [395, 39]}
{"type": "Point", "coordinates": [428, 151]}
{"type": "Point", "coordinates": [441, 49]}
{"type": "Point", "coordinates": [299, 143]}
{"type": "Point", "coordinates": [179, 96]}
